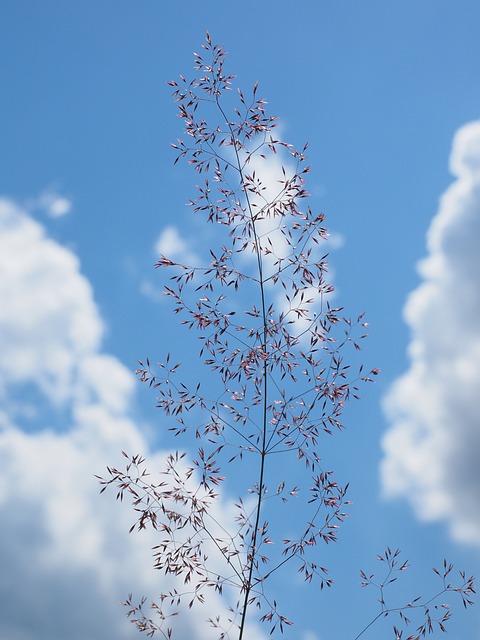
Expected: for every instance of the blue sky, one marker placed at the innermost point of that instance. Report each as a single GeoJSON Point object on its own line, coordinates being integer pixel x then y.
{"type": "Point", "coordinates": [388, 96]}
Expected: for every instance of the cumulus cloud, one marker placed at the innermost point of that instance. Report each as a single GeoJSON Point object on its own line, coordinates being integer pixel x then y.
{"type": "Point", "coordinates": [66, 413]}
{"type": "Point", "coordinates": [432, 448]}
{"type": "Point", "coordinates": [48, 317]}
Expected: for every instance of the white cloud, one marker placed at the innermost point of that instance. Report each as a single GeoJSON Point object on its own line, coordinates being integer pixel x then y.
{"type": "Point", "coordinates": [336, 240]}
{"type": "Point", "coordinates": [66, 556]}
{"type": "Point", "coordinates": [432, 448]}
{"type": "Point", "coordinates": [274, 231]}
{"type": "Point", "coordinates": [54, 205]}
{"type": "Point", "coordinates": [48, 318]}
{"type": "Point", "coordinates": [59, 548]}
{"type": "Point", "coordinates": [174, 246]}
{"type": "Point", "coordinates": [270, 227]}
{"type": "Point", "coordinates": [171, 244]}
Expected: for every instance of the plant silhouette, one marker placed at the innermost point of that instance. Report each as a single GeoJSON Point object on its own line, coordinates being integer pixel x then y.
{"type": "Point", "coordinates": [277, 382]}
